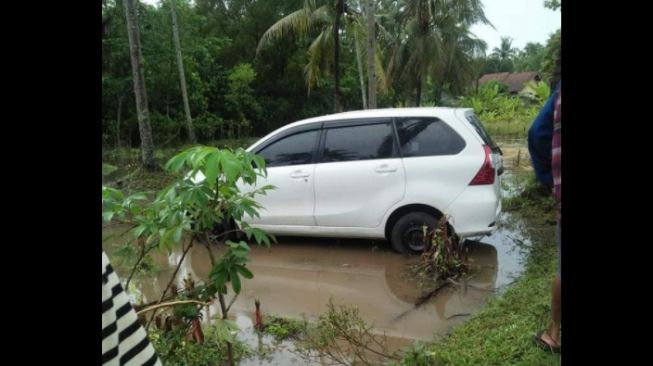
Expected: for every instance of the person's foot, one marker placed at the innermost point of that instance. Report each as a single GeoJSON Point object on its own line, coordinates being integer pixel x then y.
{"type": "Point", "coordinates": [546, 342]}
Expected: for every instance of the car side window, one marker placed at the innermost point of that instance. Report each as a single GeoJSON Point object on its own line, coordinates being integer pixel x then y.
{"type": "Point", "coordinates": [370, 141]}
{"type": "Point", "coordinates": [427, 136]}
{"type": "Point", "coordinates": [291, 150]}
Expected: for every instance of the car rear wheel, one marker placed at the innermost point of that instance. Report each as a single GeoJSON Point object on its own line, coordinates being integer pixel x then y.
{"type": "Point", "coordinates": [408, 232]}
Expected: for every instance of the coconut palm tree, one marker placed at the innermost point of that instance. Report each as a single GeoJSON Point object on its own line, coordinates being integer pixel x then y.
{"type": "Point", "coordinates": [505, 51]}
{"type": "Point", "coordinates": [435, 42]}
{"type": "Point", "coordinates": [459, 67]}
{"type": "Point", "coordinates": [324, 50]}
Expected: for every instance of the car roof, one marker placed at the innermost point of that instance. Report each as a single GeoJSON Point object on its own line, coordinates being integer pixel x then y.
{"type": "Point", "coordinates": [441, 112]}
{"type": "Point", "coordinates": [384, 112]}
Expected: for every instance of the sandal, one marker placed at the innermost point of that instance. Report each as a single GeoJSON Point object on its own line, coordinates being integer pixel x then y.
{"type": "Point", "coordinates": [544, 345]}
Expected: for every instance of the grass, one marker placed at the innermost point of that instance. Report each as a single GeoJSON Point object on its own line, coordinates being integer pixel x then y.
{"type": "Point", "coordinates": [122, 167]}
{"type": "Point", "coordinates": [282, 328]}
{"type": "Point", "coordinates": [532, 195]}
{"type": "Point", "coordinates": [508, 129]}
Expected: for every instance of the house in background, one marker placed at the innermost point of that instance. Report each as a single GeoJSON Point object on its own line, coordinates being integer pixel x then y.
{"type": "Point", "coordinates": [516, 81]}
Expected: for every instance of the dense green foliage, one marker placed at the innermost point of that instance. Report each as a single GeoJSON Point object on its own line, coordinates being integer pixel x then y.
{"type": "Point", "coordinates": [241, 86]}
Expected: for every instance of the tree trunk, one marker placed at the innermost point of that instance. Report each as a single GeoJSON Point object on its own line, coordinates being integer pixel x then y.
{"type": "Point", "coordinates": [440, 86]}
{"type": "Point", "coordinates": [437, 97]}
{"type": "Point", "coordinates": [147, 144]}
{"type": "Point", "coordinates": [118, 121]}
{"type": "Point", "coordinates": [182, 75]}
{"type": "Point", "coordinates": [418, 93]}
{"type": "Point", "coordinates": [223, 307]}
{"type": "Point", "coordinates": [371, 53]}
{"type": "Point", "coordinates": [361, 77]}
{"type": "Point", "coordinates": [336, 55]}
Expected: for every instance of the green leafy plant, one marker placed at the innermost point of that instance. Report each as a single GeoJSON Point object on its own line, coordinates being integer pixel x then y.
{"type": "Point", "coordinates": [540, 91]}
{"type": "Point", "coordinates": [529, 194]}
{"type": "Point", "coordinates": [344, 338]}
{"type": "Point", "coordinates": [502, 114]}
{"type": "Point", "coordinates": [204, 193]}
{"type": "Point", "coordinates": [174, 348]}
{"type": "Point", "coordinates": [281, 328]}
{"type": "Point", "coordinates": [443, 256]}
{"type": "Point", "coordinates": [418, 354]}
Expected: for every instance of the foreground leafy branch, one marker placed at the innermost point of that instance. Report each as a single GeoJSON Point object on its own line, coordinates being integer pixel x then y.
{"type": "Point", "coordinates": [213, 187]}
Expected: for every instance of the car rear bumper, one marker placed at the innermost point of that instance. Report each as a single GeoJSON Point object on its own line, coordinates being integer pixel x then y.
{"type": "Point", "coordinates": [475, 212]}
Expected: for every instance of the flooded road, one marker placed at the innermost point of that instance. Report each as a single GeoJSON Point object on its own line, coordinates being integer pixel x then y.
{"type": "Point", "coordinates": [297, 276]}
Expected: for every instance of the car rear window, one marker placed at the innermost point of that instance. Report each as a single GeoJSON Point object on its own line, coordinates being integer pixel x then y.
{"type": "Point", "coordinates": [427, 136]}
{"type": "Point", "coordinates": [482, 132]}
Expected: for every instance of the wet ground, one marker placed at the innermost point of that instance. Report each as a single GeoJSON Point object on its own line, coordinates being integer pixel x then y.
{"type": "Point", "coordinates": [297, 277]}
{"type": "Point", "coordinates": [515, 155]}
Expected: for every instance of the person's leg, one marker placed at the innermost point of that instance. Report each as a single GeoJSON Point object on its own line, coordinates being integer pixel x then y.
{"type": "Point", "coordinates": [552, 334]}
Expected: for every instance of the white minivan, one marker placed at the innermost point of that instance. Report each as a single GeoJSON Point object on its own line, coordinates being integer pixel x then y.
{"type": "Point", "coordinates": [381, 173]}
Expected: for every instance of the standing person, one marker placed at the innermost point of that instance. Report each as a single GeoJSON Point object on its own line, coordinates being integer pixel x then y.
{"type": "Point", "coordinates": [546, 155]}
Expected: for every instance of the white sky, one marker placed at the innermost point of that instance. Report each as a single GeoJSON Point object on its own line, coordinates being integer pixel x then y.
{"type": "Point", "coordinates": [522, 20]}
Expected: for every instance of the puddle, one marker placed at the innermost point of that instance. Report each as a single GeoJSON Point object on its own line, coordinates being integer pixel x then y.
{"type": "Point", "coordinates": [297, 277]}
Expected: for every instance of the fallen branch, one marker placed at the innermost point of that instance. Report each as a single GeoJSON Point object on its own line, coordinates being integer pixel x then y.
{"type": "Point", "coordinates": [233, 300]}
{"type": "Point", "coordinates": [422, 300]}
{"type": "Point", "coordinates": [172, 303]}
{"type": "Point", "coordinates": [429, 295]}
{"type": "Point", "coordinates": [172, 279]}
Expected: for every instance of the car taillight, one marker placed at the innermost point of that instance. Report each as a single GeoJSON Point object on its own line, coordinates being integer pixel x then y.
{"type": "Point", "coordinates": [486, 174]}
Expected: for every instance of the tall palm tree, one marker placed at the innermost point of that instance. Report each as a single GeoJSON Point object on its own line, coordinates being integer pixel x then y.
{"type": "Point", "coordinates": [505, 51]}
{"type": "Point", "coordinates": [358, 27]}
{"type": "Point", "coordinates": [140, 93]}
{"type": "Point", "coordinates": [371, 62]}
{"type": "Point", "coordinates": [435, 40]}
{"type": "Point", "coordinates": [458, 68]}
{"type": "Point", "coordinates": [324, 51]}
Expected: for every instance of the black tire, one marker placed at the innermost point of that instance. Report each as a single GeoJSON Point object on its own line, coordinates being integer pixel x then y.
{"type": "Point", "coordinates": [407, 233]}
{"type": "Point", "coordinates": [217, 234]}
{"type": "Point", "coordinates": [227, 227]}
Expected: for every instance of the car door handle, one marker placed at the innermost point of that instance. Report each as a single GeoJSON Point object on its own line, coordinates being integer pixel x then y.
{"type": "Point", "coordinates": [299, 174]}
{"type": "Point", "coordinates": [385, 168]}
